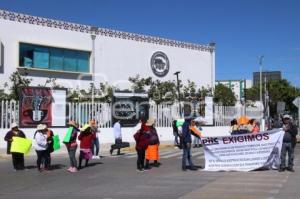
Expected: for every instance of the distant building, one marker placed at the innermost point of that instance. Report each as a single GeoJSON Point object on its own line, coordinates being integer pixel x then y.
{"type": "Point", "coordinates": [268, 75]}
{"type": "Point", "coordinates": [237, 87]}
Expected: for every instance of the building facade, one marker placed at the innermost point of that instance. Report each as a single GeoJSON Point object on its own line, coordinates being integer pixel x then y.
{"type": "Point", "coordinates": [266, 75]}
{"type": "Point", "coordinates": [237, 86]}
{"type": "Point", "coordinates": [76, 54]}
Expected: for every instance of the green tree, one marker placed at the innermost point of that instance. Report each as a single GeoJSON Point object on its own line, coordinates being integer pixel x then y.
{"type": "Point", "coordinates": [224, 95]}
{"type": "Point", "coordinates": [139, 84]}
{"type": "Point", "coordinates": [162, 91]}
{"type": "Point", "coordinates": [18, 81]}
{"type": "Point", "coordinates": [280, 90]}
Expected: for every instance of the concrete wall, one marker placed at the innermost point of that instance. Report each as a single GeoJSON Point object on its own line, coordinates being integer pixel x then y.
{"type": "Point", "coordinates": [107, 136]}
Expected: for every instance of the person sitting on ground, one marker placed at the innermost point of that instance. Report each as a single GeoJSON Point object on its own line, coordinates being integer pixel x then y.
{"type": "Point", "coordinates": [86, 138]}
{"type": "Point", "coordinates": [233, 126]}
{"type": "Point", "coordinates": [17, 158]}
{"type": "Point", "coordinates": [152, 152]}
{"type": "Point", "coordinates": [253, 126]}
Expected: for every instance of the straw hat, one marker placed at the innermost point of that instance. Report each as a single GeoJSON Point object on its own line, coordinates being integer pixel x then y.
{"type": "Point", "coordinates": [41, 127]}
{"type": "Point", "coordinates": [13, 125]}
{"type": "Point", "coordinates": [72, 123]}
{"type": "Point", "coordinates": [85, 127]}
{"type": "Point", "coordinates": [150, 121]}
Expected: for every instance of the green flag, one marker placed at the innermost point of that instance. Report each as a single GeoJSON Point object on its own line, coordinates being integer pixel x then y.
{"type": "Point", "coordinates": [68, 135]}
{"type": "Point", "coordinates": [56, 143]}
{"type": "Point", "coordinates": [179, 122]}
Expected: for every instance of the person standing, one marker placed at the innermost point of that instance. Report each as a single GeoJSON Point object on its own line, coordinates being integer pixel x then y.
{"type": "Point", "coordinates": [72, 147]}
{"type": "Point", "coordinates": [289, 143]}
{"type": "Point", "coordinates": [186, 146]}
{"type": "Point", "coordinates": [86, 138]}
{"type": "Point", "coordinates": [17, 158]}
{"type": "Point", "coordinates": [152, 152]}
{"type": "Point", "coordinates": [175, 133]}
{"type": "Point", "coordinates": [118, 138]}
{"type": "Point", "coordinates": [41, 145]}
{"type": "Point", "coordinates": [96, 144]}
{"type": "Point", "coordinates": [142, 140]}
{"type": "Point", "coordinates": [50, 148]}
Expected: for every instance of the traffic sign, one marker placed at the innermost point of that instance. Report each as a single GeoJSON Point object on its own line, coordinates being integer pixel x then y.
{"type": "Point", "coordinates": [296, 102]}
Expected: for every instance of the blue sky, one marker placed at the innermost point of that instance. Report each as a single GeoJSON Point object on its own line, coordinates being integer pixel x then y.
{"type": "Point", "coordinates": [242, 29]}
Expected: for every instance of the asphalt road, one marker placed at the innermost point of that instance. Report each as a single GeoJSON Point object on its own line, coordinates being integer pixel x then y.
{"type": "Point", "coordinates": [116, 177]}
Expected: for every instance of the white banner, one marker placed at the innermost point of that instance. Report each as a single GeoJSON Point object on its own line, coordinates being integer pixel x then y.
{"type": "Point", "coordinates": [244, 152]}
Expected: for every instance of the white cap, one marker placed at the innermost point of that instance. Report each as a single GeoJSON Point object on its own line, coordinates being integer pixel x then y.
{"type": "Point", "coordinates": [13, 125]}
{"type": "Point", "coordinates": [41, 127]}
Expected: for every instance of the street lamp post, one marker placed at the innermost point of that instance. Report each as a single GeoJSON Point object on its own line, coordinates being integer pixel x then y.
{"type": "Point", "coordinates": [93, 37]}
{"type": "Point", "coordinates": [260, 78]}
{"type": "Point", "coordinates": [260, 91]}
{"type": "Point", "coordinates": [178, 90]}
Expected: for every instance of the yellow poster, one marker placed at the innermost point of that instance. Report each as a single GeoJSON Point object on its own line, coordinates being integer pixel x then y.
{"type": "Point", "coordinates": [20, 145]}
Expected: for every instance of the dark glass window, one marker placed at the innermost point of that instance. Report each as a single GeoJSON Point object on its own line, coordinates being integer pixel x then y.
{"type": "Point", "coordinates": [44, 57]}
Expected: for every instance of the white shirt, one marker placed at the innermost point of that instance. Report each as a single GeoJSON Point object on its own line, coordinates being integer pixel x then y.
{"type": "Point", "coordinates": [117, 130]}
{"type": "Point", "coordinates": [40, 142]}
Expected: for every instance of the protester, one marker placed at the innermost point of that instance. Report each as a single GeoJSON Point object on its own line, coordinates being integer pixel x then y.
{"type": "Point", "coordinates": [118, 138]}
{"type": "Point", "coordinates": [243, 127]}
{"type": "Point", "coordinates": [142, 140]}
{"type": "Point", "coordinates": [233, 126]}
{"type": "Point", "coordinates": [95, 145]}
{"type": "Point", "coordinates": [187, 142]}
{"type": "Point", "coordinates": [72, 147]}
{"type": "Point", "coordinates": [41, 146]}
{"type": "Point", "coordinates": [198, 130]}
{"type": "Point", "coordinates": [17, 158]}
{"type": "Point", "coordinates": [50, 148]}
{"type": "Point", "coordinates": [253, 126]}
{"type": "Point", "coordinates": [86, 138]}
{"type": "Point", "coordinates": [152, 152]}
{"type": "Point", "coordinates": [175, 133]}
{"type": "Point", "coordinates": [289, 143]}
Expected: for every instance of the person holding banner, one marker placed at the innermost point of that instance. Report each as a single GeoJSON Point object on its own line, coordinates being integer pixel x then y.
{"type": "Point", "coordinates": [186, 145]}
{"type": "Point", "coordinates": [41, 145]}
{"type": "Point", "coordinates": [289, 143]}
{"type": "Point", "coordinates": [17, 158]}
{"type": "Point", "coordinates": [71, 144]}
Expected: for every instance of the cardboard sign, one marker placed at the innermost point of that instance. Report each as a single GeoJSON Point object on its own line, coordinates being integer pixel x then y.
{"type": "Point", "coordinates": [21, 145]}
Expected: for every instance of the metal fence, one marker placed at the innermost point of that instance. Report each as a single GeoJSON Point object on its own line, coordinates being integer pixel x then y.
{"type": "Point", "coordinates": [164, 114]}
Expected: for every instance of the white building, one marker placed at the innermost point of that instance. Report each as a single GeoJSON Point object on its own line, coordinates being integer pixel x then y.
{"type": "Point", "coordinates": [237, 87]}
{"type": "Point", "coordinates": [43, 48]}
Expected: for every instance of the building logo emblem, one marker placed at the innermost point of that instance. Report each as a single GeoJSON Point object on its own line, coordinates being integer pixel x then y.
{"type": "Point", "coordinates": [160, 64]}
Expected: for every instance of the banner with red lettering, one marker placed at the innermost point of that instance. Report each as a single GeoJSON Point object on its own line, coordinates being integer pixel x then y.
{"type": "Point", "coordinates": [245, 152]}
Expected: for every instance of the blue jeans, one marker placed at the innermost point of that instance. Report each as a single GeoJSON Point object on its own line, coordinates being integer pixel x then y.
{"type": "Point", "coordinates": [97, 146]}
{"type": "Point", "coordinates": [186, 156]}
{"type": "Point", "coordinates": [196, 141]}
{"type": "Point", "coordinates": [287, 148]}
